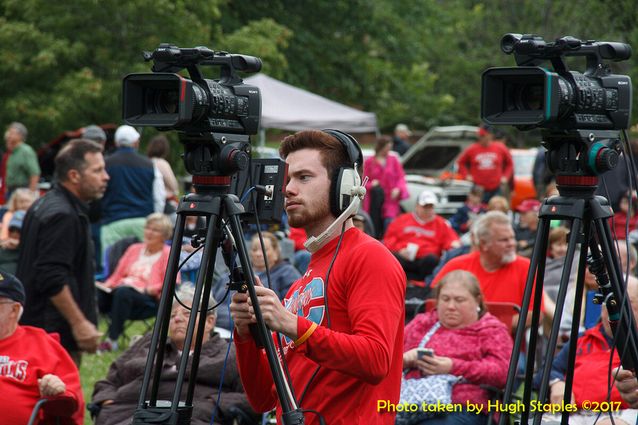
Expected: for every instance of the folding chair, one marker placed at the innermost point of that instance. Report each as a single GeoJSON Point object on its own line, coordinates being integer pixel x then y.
{"type": "Point", "coordinates": [55, 411]}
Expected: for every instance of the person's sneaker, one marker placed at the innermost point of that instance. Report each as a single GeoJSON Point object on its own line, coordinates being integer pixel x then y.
{"type": "Point", "coordinates": [106, 346]}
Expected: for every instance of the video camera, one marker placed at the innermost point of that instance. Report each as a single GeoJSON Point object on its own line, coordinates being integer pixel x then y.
{"type": "Point", "coordinates": [166, 100]}
{"type": "Point", "coordinates": [214, 119]}
{"type": "Point", "coordinates": [530, 95]}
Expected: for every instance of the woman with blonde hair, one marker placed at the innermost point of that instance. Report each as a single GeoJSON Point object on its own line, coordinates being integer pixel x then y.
{"type": "Point", "coordinates": [133, 290]}
{"type": "Point", "coordinates": [465, 340]}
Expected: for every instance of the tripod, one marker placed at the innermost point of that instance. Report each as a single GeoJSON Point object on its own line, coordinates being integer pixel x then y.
{"type": "Point", "coordinates": [571, 157]}
{"type": "Point", "coordinates": [215, 204]}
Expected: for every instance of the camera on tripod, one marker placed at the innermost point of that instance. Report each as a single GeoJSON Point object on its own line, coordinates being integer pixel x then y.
{"type": "Point", "coordinates": [530, 95]}
{"type": "Point", "coordinates": [166, 100]}
{"type": "Point", "coordinates": [214, 119]}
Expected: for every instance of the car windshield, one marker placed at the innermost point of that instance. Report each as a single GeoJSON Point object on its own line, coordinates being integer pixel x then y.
{"type": "Point", "coordinates": [432, 158]}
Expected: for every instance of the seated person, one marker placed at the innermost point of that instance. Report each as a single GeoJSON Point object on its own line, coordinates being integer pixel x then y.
{"type": "Point", "coordinates": [591, 380]}
{"type": "Point", "coordinates": [418, 239]}
{"type": "Point", "coordinates": [625, 221]}
{"type": "Point", "coordinates": [134, 288]}
{"type": "Point", "coordinates": [33, 364]}
{"type": "Point", "coordinates": [462, 220]}
{"type": "Point", "coordinates": [9, 248]}
{"type": "Point", "coordinates": [21, 199]}
{"type": "Point", "coordinates": [502, 273]}
{"type": "Point", "coordinates": [117, 395]}
{"type": "Point", "coordinates": [527, 226]}
{"type": "Point", "coordinates": [282, 273]}
{"type": "Point", "coordinates": [470, 343]}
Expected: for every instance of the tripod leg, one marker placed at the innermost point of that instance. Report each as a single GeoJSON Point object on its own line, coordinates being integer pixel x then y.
{"type": "Point", "coordinates": [536, 270]}
{"type": "Point", "coordinates": [160, 330]}
{"type": "Point", "coordinates": [205, 278]}
{"type": "Point", "coordinates": [560, 302]}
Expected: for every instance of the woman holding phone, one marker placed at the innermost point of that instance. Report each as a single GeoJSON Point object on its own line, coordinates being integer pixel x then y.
{"type": "Point", "coordinates": [469, 343]}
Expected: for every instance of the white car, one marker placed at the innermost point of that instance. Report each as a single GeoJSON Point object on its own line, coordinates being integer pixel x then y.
{"type": "Point", "coordinates": [431, 164]}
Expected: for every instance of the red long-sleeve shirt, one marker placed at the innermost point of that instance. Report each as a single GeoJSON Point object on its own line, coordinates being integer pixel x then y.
{"type": "Point", "coordinates": [27, 355]}
{"type": "Point", "coordinates": [432, 237]}
{"type": "Point", "coordinates": [358, 351]}
{"type": "Point", "coordinates": [486, 164]}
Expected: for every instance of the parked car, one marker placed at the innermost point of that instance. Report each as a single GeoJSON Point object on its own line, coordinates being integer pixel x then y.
{"type": "Point", "coordinates": [431, 164]}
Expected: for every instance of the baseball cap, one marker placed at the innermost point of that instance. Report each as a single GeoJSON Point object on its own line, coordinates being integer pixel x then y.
{"type": "Point", "coordinates": [125, 135]}
{"type": "Point", "coordinates": [529, 205]}
{"type": "Point", "coordinates": [95, 133]}
{"type": "Point", "coordinates": [427, 198]}
{"type": "Point", "coordinates": [11, 287]}
{"type": "Point", "coordinates": [16, 220]}
{"type": "Point", "coordinates": [403, 128]}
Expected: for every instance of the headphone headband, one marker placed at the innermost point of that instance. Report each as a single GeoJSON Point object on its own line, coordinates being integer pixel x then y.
{"type": "Point", "coordinates": [349, 143]}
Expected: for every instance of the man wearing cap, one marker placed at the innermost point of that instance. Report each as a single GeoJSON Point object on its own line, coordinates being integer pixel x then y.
{"type": "Point", "coordinates": [22, 168]}
{"type": "Point", "coordinates": [418, 239]}
{"type": "Point", "coordinates": [136, 189]}
{"type": "Point", "coordinates": [33, 364]}
{"type": "Point", "coordinates": [400, 141]}
{"type": "Point", "coordinates": [487, 163]}
{"type": "Point", "coordinates": [525, 230]}
{"type": "Point", "coordinates": [56, 263]}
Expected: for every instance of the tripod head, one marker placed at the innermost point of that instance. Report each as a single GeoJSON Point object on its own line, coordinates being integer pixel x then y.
{"type": "Point", "coordinates": [578, 157]}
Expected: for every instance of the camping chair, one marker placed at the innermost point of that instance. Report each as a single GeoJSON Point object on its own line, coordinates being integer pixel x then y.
{"type": "Point", "coordinates": [55, 411]}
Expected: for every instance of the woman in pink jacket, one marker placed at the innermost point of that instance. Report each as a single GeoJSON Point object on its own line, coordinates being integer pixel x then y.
{"type": "Point", "coordinates": [469, 343]}
{"type": "Point", "coordinates": [385, 175]}
{"type": "Point", "coordinates": [133, 290]}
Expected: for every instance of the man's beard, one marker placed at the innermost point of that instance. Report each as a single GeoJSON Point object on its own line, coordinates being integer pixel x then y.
{"type": "Point", "coordinates": [310, 214]}
{"type": "Point", "coordinates": [508, 258]}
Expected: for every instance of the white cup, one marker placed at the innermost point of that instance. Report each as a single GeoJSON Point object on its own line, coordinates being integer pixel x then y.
{"type": "Point", "coordinates": [412, 250]}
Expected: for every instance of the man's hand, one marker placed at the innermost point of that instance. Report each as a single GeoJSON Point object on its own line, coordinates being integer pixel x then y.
{"type": "Point", "coordinates": [240, 313]}
{"type": "Point", "coordinates": [556, 392]}
{"type": "Point", "coordinates": [86, 335]}
{"type": "Point", "coordinates": [625, 381]}
{"type": "Point", "coordinates": [275, 315]}
{"type": "Point", "coordinates": [434, 365]}
{"type": "Point", "coordinates": [51, 385]}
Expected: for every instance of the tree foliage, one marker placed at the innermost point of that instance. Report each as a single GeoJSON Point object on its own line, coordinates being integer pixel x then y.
{"type": "Point", "coordinates": [413, 62]}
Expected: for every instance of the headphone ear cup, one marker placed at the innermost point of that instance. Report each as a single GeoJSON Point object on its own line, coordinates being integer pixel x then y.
{"type": "Point", "coordinates": [344, 181]}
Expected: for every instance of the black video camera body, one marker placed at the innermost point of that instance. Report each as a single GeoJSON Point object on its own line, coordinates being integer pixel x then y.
{"type": "Point", "coordinates": [214, 119]}
{"type": "Point", "coordinates": [530, 95]}
{"type": "Point", "coordinates": [166, 100]}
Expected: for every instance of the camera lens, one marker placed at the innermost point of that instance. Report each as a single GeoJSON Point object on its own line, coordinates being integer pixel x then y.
{"type": "Point", "coordinates": [530, 97]}
{"type": "Point", "coordinates": [166, 101]}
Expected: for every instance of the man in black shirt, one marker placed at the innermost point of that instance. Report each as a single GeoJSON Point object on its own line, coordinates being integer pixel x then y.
{"type": "Point", "coordinates": [56, 260]}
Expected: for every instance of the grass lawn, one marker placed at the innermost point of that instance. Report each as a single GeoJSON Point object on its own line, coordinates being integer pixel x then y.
{"type": "Point", "coordinates": [95, 366]}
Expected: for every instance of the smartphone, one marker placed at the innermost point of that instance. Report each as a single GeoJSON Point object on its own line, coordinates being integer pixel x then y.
{"type": "Point", "coordinates": [420, 352]}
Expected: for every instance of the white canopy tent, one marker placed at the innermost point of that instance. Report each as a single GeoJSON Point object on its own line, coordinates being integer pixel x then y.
{"type": "Point", "coordinates": [287, 107]}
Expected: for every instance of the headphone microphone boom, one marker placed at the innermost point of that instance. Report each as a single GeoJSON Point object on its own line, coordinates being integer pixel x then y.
{"type": "Point", "coordinates": [346, 192]}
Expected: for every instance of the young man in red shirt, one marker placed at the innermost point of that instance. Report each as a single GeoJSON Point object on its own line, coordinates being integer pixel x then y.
{"type": "Point", "coordinates": [418, 239]}
{"type": "Point", "coordinates": [487, 163]}
{"type": "Point", "coordinates": [341, 323]}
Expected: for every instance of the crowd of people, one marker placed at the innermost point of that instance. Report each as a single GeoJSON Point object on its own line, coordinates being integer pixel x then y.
{"type": "Point", "coordinates": [343, 355]}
